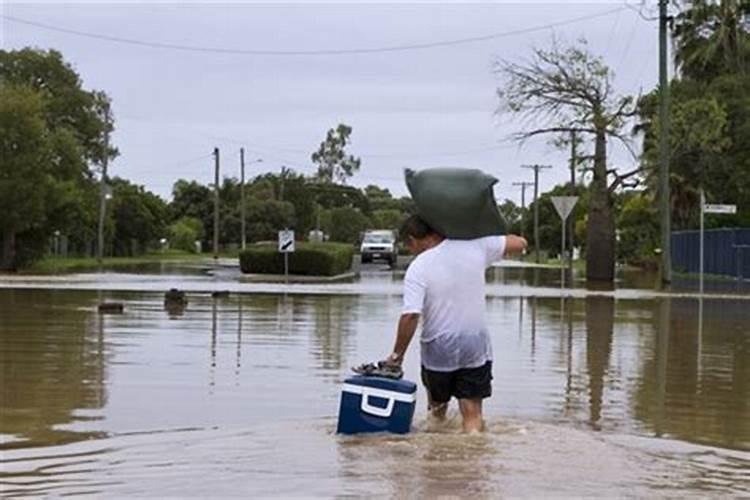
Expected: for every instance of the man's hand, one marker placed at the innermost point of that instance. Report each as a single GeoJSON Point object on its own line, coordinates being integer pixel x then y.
{"type": "Point", "coordinates": [393, 359]}
{"type": "Point", "coordinates": [515, 245]}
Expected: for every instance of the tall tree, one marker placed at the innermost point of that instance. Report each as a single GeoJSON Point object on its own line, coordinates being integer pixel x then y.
{"type": "Point", "coordinates": [334, 164]}
{"type": "Point", "coordinates": [24, 174]}
{"type": "Point", "coordinates": [564, 90]}
{"type": "Point", "coordinates": [712, 38]}
{"type": "Point", "coordinates": [75, 127]}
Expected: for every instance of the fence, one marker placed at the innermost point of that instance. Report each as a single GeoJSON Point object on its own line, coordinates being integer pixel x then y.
{"type": "Point", "coordinates": [726, 252]}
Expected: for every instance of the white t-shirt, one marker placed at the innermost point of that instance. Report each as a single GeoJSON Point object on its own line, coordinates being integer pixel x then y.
{"type": "Point", "coordinates": [445, 285]}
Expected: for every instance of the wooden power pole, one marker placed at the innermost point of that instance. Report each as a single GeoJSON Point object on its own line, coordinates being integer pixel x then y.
{"type": "Point", "coordinates": [664, 145]}
{"type": "Point", "coordinates": [216, 204]}
{"type": "Point", "coordinates": [536, 169]}
{"type": "Point", "coordinates": [242, 198]}
{"type": "Point", "coordinates": [523, 185]}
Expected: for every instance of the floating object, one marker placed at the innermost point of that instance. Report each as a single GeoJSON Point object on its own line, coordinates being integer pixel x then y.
{"type": "Point", "coordinates": [175, 297]}
{"type": "Point", "coordinates": [456, 202]}
{"type": "Point", "coordinates": [111, 307]}
{"type": "Point", "coordinates": [220, 294]}
{"type": "Point", "coordinates": [376, 404]}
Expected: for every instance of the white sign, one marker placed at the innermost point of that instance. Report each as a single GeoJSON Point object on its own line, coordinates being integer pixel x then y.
{"type": "Point", "coordinates": [719, 209]}
{"type": "Point", "coordinates": [564, 205]}
{"type": "Point", "coordinates": [286, 241]}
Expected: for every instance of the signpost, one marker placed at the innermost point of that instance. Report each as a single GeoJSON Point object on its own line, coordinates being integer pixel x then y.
{"type": "Point", "coordinates": [719, 209]}
{"type": "Point", "coordinates": [708, 208]}
{"type": "Point", "coordinates": [564, 205]}
{"type": "Point", "coordinates": [286, 246]}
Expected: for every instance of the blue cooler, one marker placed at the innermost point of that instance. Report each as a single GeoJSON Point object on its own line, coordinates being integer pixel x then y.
{"type": "Point", "coordinates": [376, 404]}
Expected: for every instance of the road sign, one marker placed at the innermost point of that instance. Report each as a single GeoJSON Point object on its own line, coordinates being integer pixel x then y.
{"type": "Point", "coordinates": [286, 241]}
{"type": "Point", "coordinates": [719, 209]}
{"type": "Point", "coordinates": [564, 205]}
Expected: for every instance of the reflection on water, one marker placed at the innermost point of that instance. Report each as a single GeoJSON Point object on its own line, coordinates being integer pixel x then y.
{"type": "Point", "coordinates": [243, 390]}
{"type": "Point", "coordinates": [53, 364]}
{"type": "Point", "coordinates": [600, 314]}
{"type": "Point", "coordinates": [695, 368]}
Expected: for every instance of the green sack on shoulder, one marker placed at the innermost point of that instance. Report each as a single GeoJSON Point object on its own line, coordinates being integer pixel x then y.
{"type": "Point", "coordinates": [458, 203]}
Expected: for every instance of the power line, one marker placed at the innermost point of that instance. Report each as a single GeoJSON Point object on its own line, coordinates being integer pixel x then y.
{"type": "Point", "coordinates": [302, 52]}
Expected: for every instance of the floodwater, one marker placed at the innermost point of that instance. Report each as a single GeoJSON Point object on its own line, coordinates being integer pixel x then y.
{"type": "Point", "coordinates": [594, 395]}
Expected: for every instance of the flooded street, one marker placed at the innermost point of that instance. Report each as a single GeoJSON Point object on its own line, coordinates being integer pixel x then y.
{"type": "Point", "coordinates": [624, 394]}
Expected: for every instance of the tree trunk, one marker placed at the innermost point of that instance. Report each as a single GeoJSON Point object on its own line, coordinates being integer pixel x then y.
{"type": "Point", "coordinates": [8, 257]}
{"type": "Point", "coordinates": [600, 238]}
{"type": "Point", "coordinates": [600, 313]}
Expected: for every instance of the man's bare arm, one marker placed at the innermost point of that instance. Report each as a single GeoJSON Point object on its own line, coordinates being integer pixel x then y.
{"type": "Point", "coordinates": [407, 325]}
{"type": "Point", "coordinates": [514, 245]}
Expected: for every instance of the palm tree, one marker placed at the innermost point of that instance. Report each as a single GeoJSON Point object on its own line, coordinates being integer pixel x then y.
{"type": "Point", "coordinates": [712, 37]}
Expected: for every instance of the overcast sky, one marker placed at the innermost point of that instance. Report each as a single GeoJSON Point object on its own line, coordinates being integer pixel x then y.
{"type": "Point", "coordinates": [416, 108]}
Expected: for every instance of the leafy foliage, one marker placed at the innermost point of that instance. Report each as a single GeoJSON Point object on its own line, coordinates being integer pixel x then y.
{"type": "Point", "coordinates": [184, 232]}
{"type": "Point", "coordinates": [139, 217]}
{"type": "Point", "coordinates": [48, 154]}
{"type": "Point", "coordinates": [315, 259]}
{"type": "Point", "coordinates": [333, 162]}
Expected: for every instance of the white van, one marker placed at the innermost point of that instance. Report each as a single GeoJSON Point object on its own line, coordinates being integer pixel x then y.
{"type": "Point", "coordinates": [379, 244]}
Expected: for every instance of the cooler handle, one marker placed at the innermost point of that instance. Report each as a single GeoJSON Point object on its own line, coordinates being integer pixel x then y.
{"type": "Point", "coordinates": [375, 410]}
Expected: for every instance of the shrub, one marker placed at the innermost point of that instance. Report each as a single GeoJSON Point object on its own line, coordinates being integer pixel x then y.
{"type": "Point", "coordinates": [184, 232]}
{"type": "Point", "coordinates": [309, 259]}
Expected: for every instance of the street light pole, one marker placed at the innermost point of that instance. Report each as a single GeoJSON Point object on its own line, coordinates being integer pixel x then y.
{"type": "Point", "coordinates": [242, 194]}
{"type": "Point", "coordinates": [103, 187]}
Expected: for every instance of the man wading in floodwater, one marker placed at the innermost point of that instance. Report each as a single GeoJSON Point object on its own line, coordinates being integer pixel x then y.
{"type": "Point", "coordinates": [445, 286]}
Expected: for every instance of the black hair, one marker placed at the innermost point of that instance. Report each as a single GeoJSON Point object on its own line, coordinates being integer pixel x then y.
{"type": "Point", "coordinates": [416, 227]}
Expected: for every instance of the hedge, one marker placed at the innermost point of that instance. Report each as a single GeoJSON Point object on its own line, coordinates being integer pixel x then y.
{"type": "Point", "coordinates": [309, 259]}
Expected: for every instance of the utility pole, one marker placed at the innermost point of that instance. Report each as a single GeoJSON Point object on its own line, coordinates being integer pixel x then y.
{"type": "Point", "coordinates": [242, 196]}
{"type": "Point", "coordinates": [216, 204]}
{"type": "Point", "coordinates": [103, 187]}
{"type": "Point", "coordinates": [536, 169]}
{"type": "Point", "coordinates": [523, 185]}
{"type": "Point", "coordinates": [284, 171]}
{"type": "Point", "coordinates": [664, 144]}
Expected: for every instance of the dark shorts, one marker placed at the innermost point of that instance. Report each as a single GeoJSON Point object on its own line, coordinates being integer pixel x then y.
{"type": "Point", "coordinates": [466, 383]}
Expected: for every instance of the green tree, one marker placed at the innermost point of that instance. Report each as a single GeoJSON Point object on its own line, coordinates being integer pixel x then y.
{"type": "Point", "coordinates": [710, 112]}
{"type": "Point", "coordinates": [296, 189]}
{"type": "Point", "coordinates": [334, 164]}
{"type": "Point", "coordinates": [193, 199]}
{"type": "Point", "coordinates": [567, 89]}
{"type": "Point", "coordinates": [711, 38]}
{"type": "Point", "coordinates": [266, 217]}
{"type": "Point", "coordinates": [638, 230]}
{"type": "Point", "coordinates": [75, 128]}
{"type": "Point", "coordinates": [139, 216]}
{"type": "Point", "coordinates": [388, 219]}
{"type": "Point", "coordinates": [337, 195]}
{"type": "Point", "coordinates": [184, 232]}
{"type": "Point", "coordinates": [346, 224]}
{"type": "Point", "coordinates": [24, 174]}
{"type": "Point", "coordinates": [513, 215]}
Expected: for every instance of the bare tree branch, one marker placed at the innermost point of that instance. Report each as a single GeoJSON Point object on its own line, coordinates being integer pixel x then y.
{"type": "Point", "coordinates": [621, 180]}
